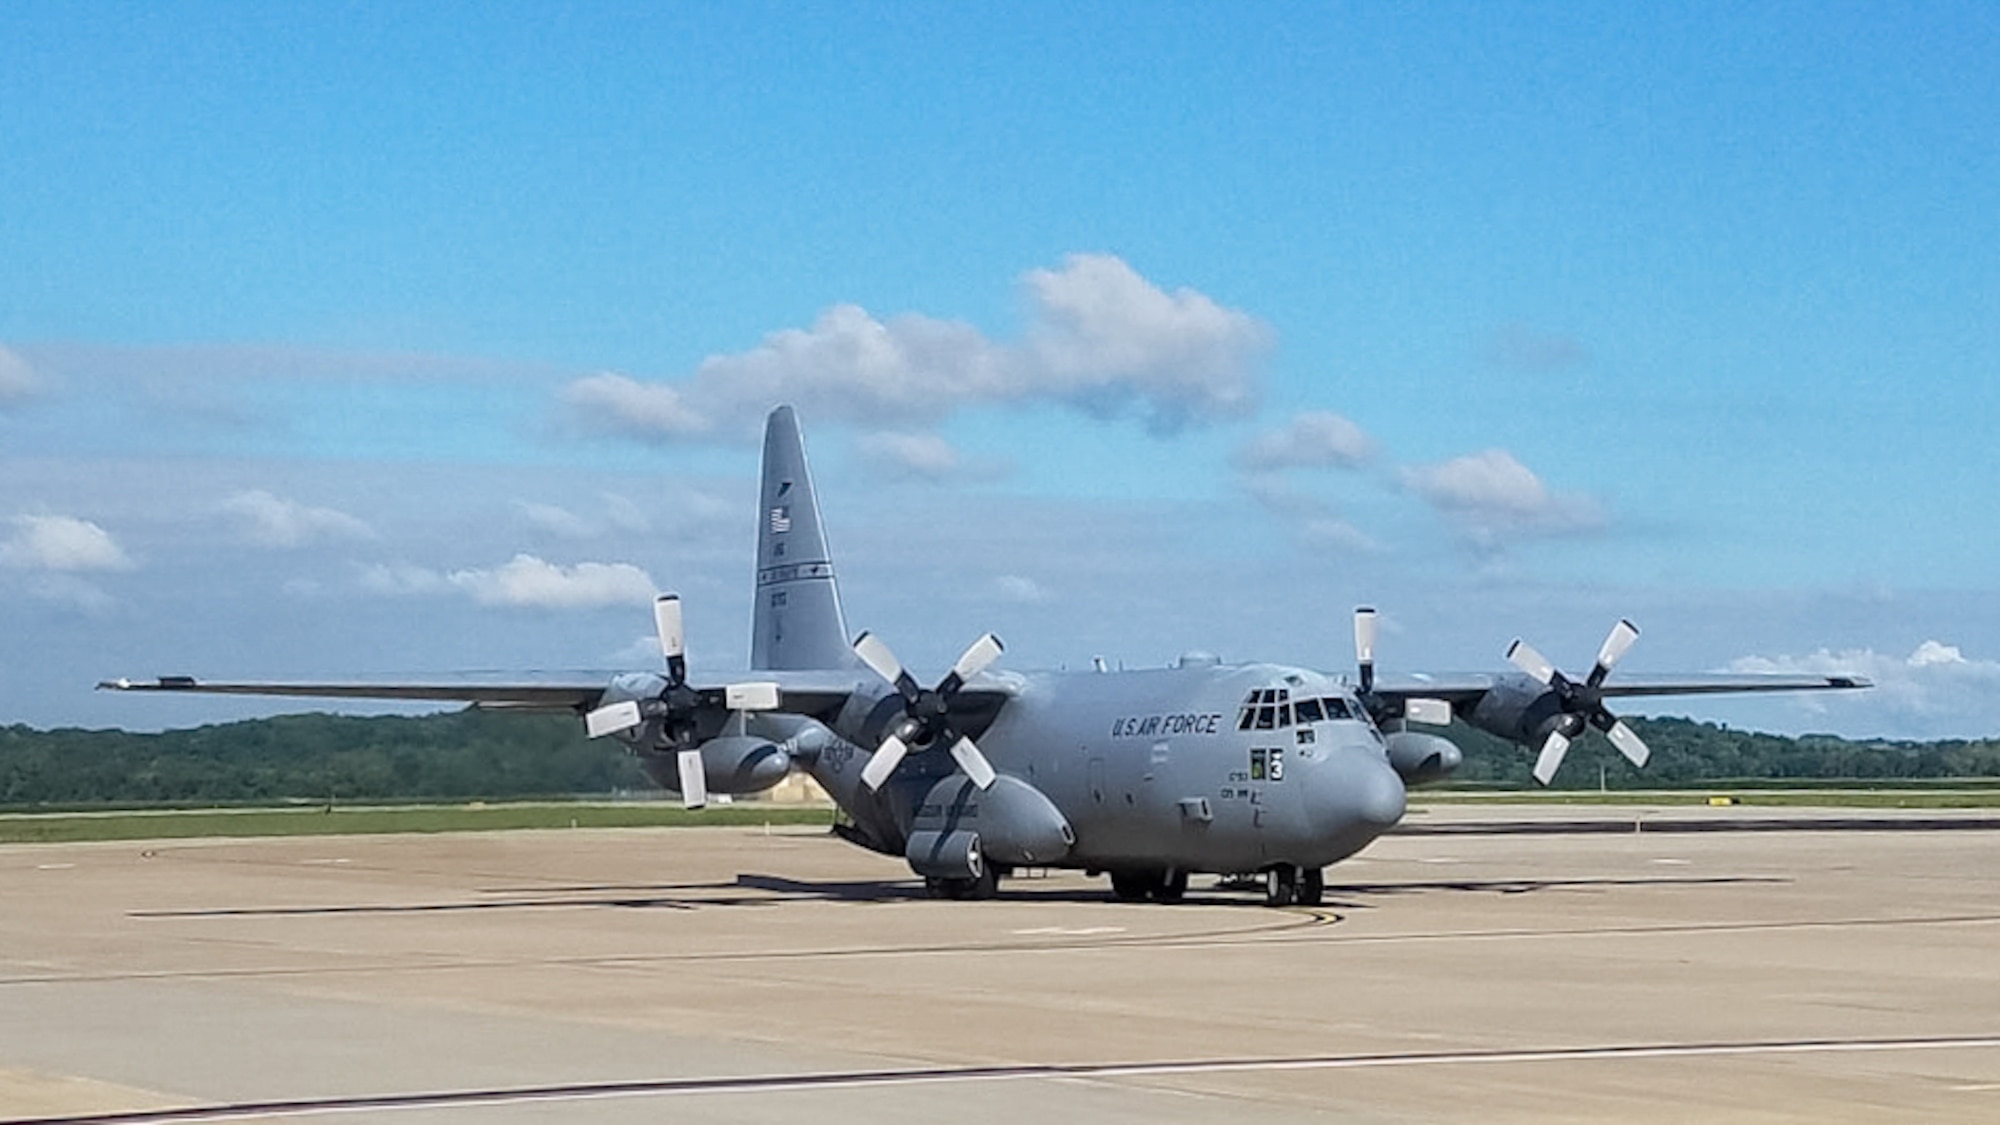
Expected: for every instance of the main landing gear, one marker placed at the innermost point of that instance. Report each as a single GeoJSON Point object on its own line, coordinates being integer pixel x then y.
{"type": "Point", "coordinates": [984, 885]}
{"type": "Point", "coordinates": [1169, 885]}
{"type": "Point", "coordinates": [1286, 885]}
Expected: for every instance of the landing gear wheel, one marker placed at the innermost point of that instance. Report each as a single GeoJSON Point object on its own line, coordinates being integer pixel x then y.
{"type": "Point", "coordinates": [1172, 885]}
{"type": "Point", "coordinates": [1131, 886]}
{"type": "Point", "coordinates": [982, 886]}
{"type": "Point", "coordinates": [1281, 886]}
{"type": "Point", "coordinates": [1312, 886]}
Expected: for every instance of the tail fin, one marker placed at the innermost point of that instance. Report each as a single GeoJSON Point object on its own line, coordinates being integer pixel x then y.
{"type": "Point", "coordinates": [797, 622]}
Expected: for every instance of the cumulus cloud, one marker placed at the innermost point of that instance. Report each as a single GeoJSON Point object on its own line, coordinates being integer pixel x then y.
{"type": "Point", "coordinates": [18, 381]}
{"type": "Point", "coordinates": [1019, 589]}
{"type": "Point", "coordinates": [616, 515]}
{"type": "Point", "coordinates": [528, 582]}
{"type": "Point", "coordinates": [924, 457]}
{"type": "Point", "coordinates": [1100, 338]}
{"type": "Point", "coordinates": [271, 521]}
{"type": "Point", "coordinates": [1936, 689]}
{"type": "Point", "coordinates": [1315, 439]}
{"type": "Point", "coordinates": [1491, 498]}
{"type": "Point", "coordinates": [1310, 519]}
{"type": "Point", "coordinates": [398, 580]}
{"type": "Point", "coordinates": [64, 544]}
{"type": "Point", "coordinates": [525, 582]}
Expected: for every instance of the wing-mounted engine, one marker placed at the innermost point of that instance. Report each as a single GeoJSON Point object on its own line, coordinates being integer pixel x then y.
{"type": "Point", "coordinates": [694, 741]}
{"type": "Point", "coordinates": [924, 718]}
{"type": "Point", "coordinates": [1546, 709]}
{"type": "Point", "coordinates": [963, 835]}
{"type": "Point", "coordinates": [1422, 757]}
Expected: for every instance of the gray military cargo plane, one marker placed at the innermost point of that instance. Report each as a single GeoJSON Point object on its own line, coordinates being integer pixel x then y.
{"type": "Point", "coordinates": [1147, 776]}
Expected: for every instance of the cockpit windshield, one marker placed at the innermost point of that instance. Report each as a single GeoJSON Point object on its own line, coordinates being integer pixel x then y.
{"type": "Point", "coordinates": [1275, 709]}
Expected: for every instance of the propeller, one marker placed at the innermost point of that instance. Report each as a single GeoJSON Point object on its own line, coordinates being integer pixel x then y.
{"type": "Point", "coordinates": [926, 713]}
{"type": "Point", "coordinates": [677, 706]}
{"type": "Point", "coordinates": [1582, 703]}
{"type": "Point", "coordinates": [1434, 712]}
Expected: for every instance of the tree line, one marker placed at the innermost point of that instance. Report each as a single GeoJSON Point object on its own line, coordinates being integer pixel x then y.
{"type": "Point", "coordinates": [472, 754]}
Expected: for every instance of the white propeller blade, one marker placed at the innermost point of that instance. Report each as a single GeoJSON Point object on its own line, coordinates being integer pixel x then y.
{"type": "Point", "coordinates": [1628, 743]}
{"type": "Point", "coordinates": [1364, 636]}
{"type": "Point", "coordinates": [1551, 757]}
{"type": "Point", "coordinates": [1615, 645]}
{"type": "Point", "coordinates": [1431, 712]}
{"type": "Point", "coordinates": [667, 623]}
{"type": "Point", "coordinates": [883, 762]}
{"type": "Point", "coordinates": [983, 653]}
{"type": "Point", "coordinates": [612, 719]}
{"type": "Point", "coordinates": [973, 763]}
{"type": "Point", "coordinates": [694, 780]}
{"type": "Point", "coordinates": [875, 653]}
{"type": "Point", "coordinates": [761, 696]}
{"type": "Point", "coordinates": [1523, 656]}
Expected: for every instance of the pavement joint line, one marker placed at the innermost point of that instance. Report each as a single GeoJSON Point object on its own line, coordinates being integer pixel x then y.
{"type": "Point", "coordinates": [859, 1079]}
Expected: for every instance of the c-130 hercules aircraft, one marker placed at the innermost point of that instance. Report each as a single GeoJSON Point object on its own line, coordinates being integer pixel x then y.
{"type": "Point", "coordinates": [1147, 776]}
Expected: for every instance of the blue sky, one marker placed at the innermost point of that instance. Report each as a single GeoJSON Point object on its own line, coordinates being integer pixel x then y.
{"type": "Point", "coordinates": [409, 339]}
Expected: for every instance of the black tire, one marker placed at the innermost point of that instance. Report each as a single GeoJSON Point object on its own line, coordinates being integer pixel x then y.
{"type": "Point", "coordinates": [1281, 886]}
{"type": "Point", "coordinates": [982, 886]}
{"type": "Point", "coordinates": [1172, 886]}
{"type": "Point", "coordinates": [1132, 886]}
{"type": "Point", "coordinates": [1312, 886]}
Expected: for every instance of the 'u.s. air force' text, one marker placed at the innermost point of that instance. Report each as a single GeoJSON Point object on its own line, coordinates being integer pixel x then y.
{"type": "Point", "coordinates": [1150, 726]}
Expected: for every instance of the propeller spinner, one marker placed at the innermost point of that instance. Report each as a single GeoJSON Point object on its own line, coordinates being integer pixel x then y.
{"type": "Point", "coordinates": [1582, 703]}
{"type": "Point", "coordinates": [926, 713]}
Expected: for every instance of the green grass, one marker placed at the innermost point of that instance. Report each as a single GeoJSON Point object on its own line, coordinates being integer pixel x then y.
{"type": "Point", "coordinates": [319, 821]}
{"type": "Point", "coordinates": [1929, 797]}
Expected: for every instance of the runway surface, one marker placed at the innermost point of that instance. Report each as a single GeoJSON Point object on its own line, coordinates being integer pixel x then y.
{"type": "Point", "coordinates": [739, 975]}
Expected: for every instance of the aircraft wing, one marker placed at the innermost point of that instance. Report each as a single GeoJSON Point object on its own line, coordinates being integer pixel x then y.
{"type": "Point", "coordinates": [1466, 689]}
{"type": "Point", "coordinates": [818, 695]}
{"type": "Point", "coordinates": [524, 696]}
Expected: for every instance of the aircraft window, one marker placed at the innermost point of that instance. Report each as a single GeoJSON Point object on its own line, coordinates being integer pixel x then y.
{"type": "Point", "coordinates": [1308, 710]}
{"type": "Point", "coordinates": [1249, 716]}
{"type": "Point", "coordinates": [1267, 717]}
{"type": "Point", "coordinates": [1336, 708]}
{"type": "Point", "coordinates": [1284, 695]}
{"type": "Point", "coordinates": [1284, 713]}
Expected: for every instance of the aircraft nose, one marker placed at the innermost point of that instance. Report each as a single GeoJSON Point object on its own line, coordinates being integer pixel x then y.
{"type": "Point", "coordinates": [1377, 793]}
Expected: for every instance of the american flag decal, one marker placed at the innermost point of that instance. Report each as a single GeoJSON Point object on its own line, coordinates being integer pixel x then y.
{"type": "Point", "coordinates": [781, 519]}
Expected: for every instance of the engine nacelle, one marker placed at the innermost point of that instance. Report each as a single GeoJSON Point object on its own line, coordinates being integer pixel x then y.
{"type": "Point", "coordinates": [1518, 709]}
{"type": "Point", "coordinates": [734, 764]}
{"type": "Point", "coordinates": [1422, 757]}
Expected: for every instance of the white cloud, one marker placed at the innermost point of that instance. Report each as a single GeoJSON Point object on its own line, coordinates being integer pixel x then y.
{"type": "Point", "coordinates": [1491, 498]}
{"type": "Point", "coordinates": [271, 521]}
{"type": "Point", "coordinates": [620, 404]}
{"type": "Point", "coordinates": [1314, 439]}
{"type": "Point", "coordinates": [18, 381]}
{"type": "Point", "coordinates": [1100, 337]}
{"type": "Point", "coordinates": [399, 580]}
{"type": "Point", "coordinates": [1309, 519]}
{"type": "Point", "coordinates": [62, 543]}
{"type": "Point", "coordinates": [71, 592]}
{"type": "Point", "coordinates": [1019, 589]}
{"type": "Point", "coordinates": [616, 515]}
{"type": "Point", "coordinates": [1935, 691]}
{"type": "Point", "coordinates": [532, 583]}
{"type": "Point", "coordinates": [922, 457]}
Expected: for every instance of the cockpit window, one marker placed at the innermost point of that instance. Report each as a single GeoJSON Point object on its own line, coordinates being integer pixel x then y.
{"type": "Point", "coordinates": [1307, 710]}
{"type": "Point", "coordinates": [1336, 708]}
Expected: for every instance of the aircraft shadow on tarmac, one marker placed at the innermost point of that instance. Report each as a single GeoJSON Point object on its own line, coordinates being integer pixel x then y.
{"type": "Point", "coordinates": [781, 890]}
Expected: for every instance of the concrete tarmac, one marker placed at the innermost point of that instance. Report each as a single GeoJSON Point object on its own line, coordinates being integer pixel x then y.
{"type": "Point", "coordinates": [737, 975]}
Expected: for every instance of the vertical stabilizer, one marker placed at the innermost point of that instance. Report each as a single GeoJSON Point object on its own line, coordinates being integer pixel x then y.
{"type": "Point", "coordinates": [797, 622]}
